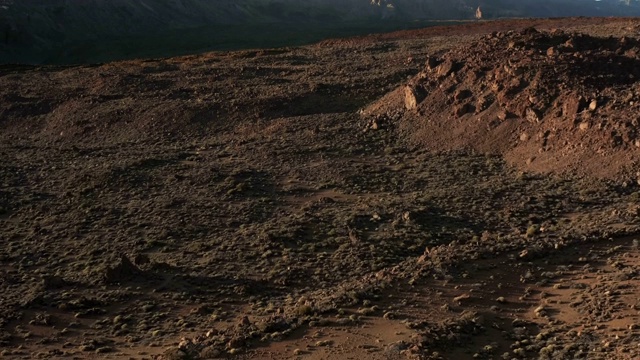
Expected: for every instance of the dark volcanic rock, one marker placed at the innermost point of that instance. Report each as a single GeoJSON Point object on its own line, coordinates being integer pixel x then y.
{"type": "Point", "coordinates": [125, 270]}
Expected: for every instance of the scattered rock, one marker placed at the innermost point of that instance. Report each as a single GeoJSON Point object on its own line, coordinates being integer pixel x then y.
{"type": "Point", "coordinates": [572, 105]}
{"type": "Point", "coordinates": [503, 115]}
{"type": "Point", "coordinates": [532, 115]}
{"type": "Point", "coordinates": [244, 321]}
{"type": "Point", "coordinates": [104, 350]}
{"type": "Point", "coordinates": [540, 311]}
{"type": "Point", "coordinates": [413, 96]}
{"type": "Point", "coordinates": [322, 343]}
{"type": "Point", "coordinates": [461, 298]}
{"type": "Point", "coordinates": [445, 69]}
{"type": "Point", "coordinates": [551, 51]}
{"type": "Point", "coordinates": [123, 271]}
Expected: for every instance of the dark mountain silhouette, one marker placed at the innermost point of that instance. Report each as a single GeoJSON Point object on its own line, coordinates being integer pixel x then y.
{"type": "Point", "coordinates": [68, 31]}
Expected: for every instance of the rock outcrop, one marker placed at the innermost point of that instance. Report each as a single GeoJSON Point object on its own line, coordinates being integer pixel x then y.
{"type": "Point", "coordinates": [547, 101]}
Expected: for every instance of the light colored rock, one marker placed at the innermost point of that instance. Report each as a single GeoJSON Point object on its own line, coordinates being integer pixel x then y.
{"type": "Point", "coordinates": [551, 51]}
{"type": "Point", "coordinates": [532, 115]}
{"type": "Point", "coordinates": [445, 69]}
{"type": "Point", "coordinates": [412, 97]}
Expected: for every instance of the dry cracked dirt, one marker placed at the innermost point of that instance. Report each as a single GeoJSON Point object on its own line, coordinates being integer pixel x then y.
{"type": "Point", "coordinates": [463, 192]}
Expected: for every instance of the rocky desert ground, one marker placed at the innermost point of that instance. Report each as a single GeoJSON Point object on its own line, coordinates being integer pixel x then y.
{"type": "Point", "coordinates": [463, 192]}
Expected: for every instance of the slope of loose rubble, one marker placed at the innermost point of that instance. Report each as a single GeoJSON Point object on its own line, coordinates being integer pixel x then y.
{"type": "Point", "coordinates": [549, 101]}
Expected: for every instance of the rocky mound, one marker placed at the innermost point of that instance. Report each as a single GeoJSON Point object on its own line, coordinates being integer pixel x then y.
{"type": "Point", "coordinates": [547, 101]}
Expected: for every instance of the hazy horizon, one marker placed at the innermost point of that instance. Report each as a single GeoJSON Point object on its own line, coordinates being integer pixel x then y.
{"type": "Point", "coordinates": [74, 31]}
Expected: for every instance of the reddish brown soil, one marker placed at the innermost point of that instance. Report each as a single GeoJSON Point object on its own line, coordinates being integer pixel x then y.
{"type": "Point", "coordinates": [286, 204]}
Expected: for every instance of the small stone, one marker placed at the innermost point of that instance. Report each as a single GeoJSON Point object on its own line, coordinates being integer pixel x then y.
{"type": "Point", "coordinates": [184, 344]}
{"type": "Point", "coordinates": [584, 126]}
{"type": "Point", "coordinates": [88, 347]}
{"type": "Point", "coordinates": [524, 137]}
{"type": "Point", "coordinates": [593, 105]}
{"type": "Point", "coordinates": [324, 343]}
{"type": "Point", "coordinates": [444, 69]}
{"type": "Point", "coordinates": [103, 350]}
{"type": "Point", "coordinates": [532, 115]}
{"type": "Point", "coordinates": [236, 342]}
{"type": "Point", "coordinates": [570, 44]}
{"type": "Point", "coordinates": [244, 321]}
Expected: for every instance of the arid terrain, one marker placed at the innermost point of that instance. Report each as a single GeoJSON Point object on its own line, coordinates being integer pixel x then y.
{"type": "Point", "coordinates": [463, 192]}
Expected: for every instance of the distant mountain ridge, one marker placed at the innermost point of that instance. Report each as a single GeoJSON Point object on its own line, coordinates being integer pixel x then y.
{"type": "Point", "coordinates": [44, 30]}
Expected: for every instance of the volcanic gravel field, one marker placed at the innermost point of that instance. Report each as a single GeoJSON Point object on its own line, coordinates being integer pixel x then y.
{"type": "Point", "coordinates": [462, 192]}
